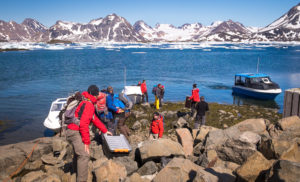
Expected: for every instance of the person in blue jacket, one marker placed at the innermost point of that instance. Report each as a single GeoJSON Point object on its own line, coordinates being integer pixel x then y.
{"type": "Point", "coordinates": [112, 109]}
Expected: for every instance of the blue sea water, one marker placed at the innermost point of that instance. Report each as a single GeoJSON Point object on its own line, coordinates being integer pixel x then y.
{"type": "Point", "coordinates": [31, 80]}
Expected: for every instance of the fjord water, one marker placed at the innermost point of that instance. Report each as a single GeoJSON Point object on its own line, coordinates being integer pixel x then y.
{"type": "Point", "coordinates": [31, 80]}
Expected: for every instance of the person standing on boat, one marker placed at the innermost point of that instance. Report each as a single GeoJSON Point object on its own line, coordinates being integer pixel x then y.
{"type": "Point", "coordinates": [201, 108]}
{"type": "Point", "coordinates": [194, 98]}
{"type": "Point", "coordinates": [79, 136]}
{"type": "Point", "coordinates": [144, 91]}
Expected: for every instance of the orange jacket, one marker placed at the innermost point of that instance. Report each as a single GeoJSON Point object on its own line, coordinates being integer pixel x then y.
{"type": "Point", "coordinates": [157, 127]}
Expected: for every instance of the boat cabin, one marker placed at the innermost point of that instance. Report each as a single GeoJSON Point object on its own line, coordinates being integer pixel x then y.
{"type": "Point", "coordinates": [255, 81]}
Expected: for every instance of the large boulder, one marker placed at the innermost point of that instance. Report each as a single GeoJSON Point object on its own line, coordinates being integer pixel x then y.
{"type": "Point", "coordinates": [34, 176]}
{"type": "Point", "coordinates": [135, 177]}
{"type": "Point", "coordinates": [110, 171]}
{"type": "Point", "coordinates": [51, 160]}
{"type": "Point", "coordinates": [130, 165]}
{"type": "Point", "coordinates": [183, 170]}
{"type": "Point", "coordinates": [200, 134]}
{"type": "Point", "coordinates": [136, 126]}
{"type": "Point", "coordinates": [293, 153]}
{"type": "Point", "coordinates": [274, 147]}
{"type": "Point", "coordinates": [254, 167]}
{"type": "Point", "coordinates": [284, 170]}
{"type": "Point", "coordinates": [155, 149]}
{"type": "Point", "coordinates": [148, 168]}
{"type": "Point", "coordinates": [11, 156]}
{"type": "Point", "coordinates": [238, 142]}
{"type": "Point", "coordinates": [96, 151]}
{"type": "Point", "coordinates": [224, 174]}
{"type": "Point", "coordinates": [186, 140]}
{"type": "Point", "coordinates": [235, 151]}
{"type": "Point", "coordinates": [180, 123]}
{"type": "Point", "coordinates": [292, 122]}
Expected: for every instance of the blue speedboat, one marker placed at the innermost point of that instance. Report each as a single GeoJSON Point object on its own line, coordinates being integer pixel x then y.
{"type": "Point", "coordinates": [255, 85]}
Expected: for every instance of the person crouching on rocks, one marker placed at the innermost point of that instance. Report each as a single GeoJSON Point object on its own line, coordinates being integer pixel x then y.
{"type": "Point", "coordinates": [157, 127]}
{"type": "Point", "coordinates": [78, 133]}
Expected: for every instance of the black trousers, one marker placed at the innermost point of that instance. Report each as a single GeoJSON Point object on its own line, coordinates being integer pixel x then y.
{"type": "Point", "coordinates": [145, 95]}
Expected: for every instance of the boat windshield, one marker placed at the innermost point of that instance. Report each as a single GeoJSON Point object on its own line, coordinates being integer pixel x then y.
{"type": "Point", "coordinates": [57, 106]}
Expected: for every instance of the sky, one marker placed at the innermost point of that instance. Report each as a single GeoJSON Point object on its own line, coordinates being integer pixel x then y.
{"type": "Point", "coordinates": [256, 13]}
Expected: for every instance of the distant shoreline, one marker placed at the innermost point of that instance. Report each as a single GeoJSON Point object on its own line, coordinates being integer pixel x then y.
{"type": "Point", "coordinates": [13, 49]}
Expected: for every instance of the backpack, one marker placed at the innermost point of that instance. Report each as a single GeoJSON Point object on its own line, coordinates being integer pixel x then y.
{"type": "Point", "coordinates": [154, 89]}
{"type": "Point", "coordinates": [117, 102]}
{"type": "Point", "coordinates": [67, 114]}
{"type": "Point", "coordinates": [101, 103]}
{"type": "Point", "coordinates": [126, 100]}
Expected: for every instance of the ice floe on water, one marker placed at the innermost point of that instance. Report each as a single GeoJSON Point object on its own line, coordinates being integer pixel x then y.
{"type": "Point", "coordinates": [204, 46]}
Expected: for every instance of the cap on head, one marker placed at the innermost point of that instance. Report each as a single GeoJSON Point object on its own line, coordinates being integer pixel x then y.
{"type": "Point", "coordinates": [93, 90]}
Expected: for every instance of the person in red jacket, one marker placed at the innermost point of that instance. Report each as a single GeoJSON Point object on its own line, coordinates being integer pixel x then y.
{"type": "Point", "coordinates": [157, 126]}
{"type": "Point", "coordinates": [79, 136]}
{"type": "Point", "coordinates": [144, 90]}
{"type": "Point", "coordinates": [195, 98]}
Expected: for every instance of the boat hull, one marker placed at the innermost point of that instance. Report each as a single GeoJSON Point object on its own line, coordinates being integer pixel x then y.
{"type": "Point", "coordinates": [52, 125]}
{"type": "Point", "coordinates": [256, 93]}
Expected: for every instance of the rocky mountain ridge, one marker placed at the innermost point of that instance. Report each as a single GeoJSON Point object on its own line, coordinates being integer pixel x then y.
{"type": "Point", "coordinates": [114, 28]}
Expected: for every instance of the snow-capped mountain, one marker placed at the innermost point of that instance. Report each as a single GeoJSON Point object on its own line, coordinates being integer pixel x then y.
{"type": "Point", "coordinates": [114, 28]}
{"type": "Point", "coordinates": [228, 31]}
{"type": "Point", "coordinates": [285, 28]}
{"type": "Point", "coordinates": [217, 31]}
{"type": "Point", "coordinates": [26, 31]}
{"type": "Point", "coordinates": [168, 32]}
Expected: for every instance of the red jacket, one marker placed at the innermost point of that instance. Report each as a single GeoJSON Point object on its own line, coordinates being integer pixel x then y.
{"type": "Point", "coordinates": [195, 95]}
{"type": "Point", "coordinates": [157, 127]}
{"type": "Point", "coordinates": [143, 87]}
{"type": "Point", "coordinates": [88, 115]}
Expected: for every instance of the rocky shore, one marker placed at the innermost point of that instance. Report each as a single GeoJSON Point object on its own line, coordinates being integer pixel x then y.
{"type": "Point", "coordinates": [239, 143]}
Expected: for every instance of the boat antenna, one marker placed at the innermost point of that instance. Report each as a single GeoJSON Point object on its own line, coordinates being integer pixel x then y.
{"type": "Point", "coordinates": [124, 76]}
{"type": "Point", "coordinates": [257, 66]}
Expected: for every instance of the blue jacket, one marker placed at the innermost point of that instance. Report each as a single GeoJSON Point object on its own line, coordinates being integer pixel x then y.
{"type": "Point", "coordinates": [110, 103]}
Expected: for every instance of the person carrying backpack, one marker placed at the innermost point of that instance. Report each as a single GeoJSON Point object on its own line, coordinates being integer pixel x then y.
{"type": "Point", "coordinates": [156, 127]}
{"type": "Point", "coordinates": [123, 102]}
{"type": "Point", "coordinates": [194, 98]}
{"type": "Point", "coordinates": [78, 133]}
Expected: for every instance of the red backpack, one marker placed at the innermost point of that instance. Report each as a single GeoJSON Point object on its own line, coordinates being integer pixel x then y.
{"type": "Point", "coordinates": [101, 103]}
